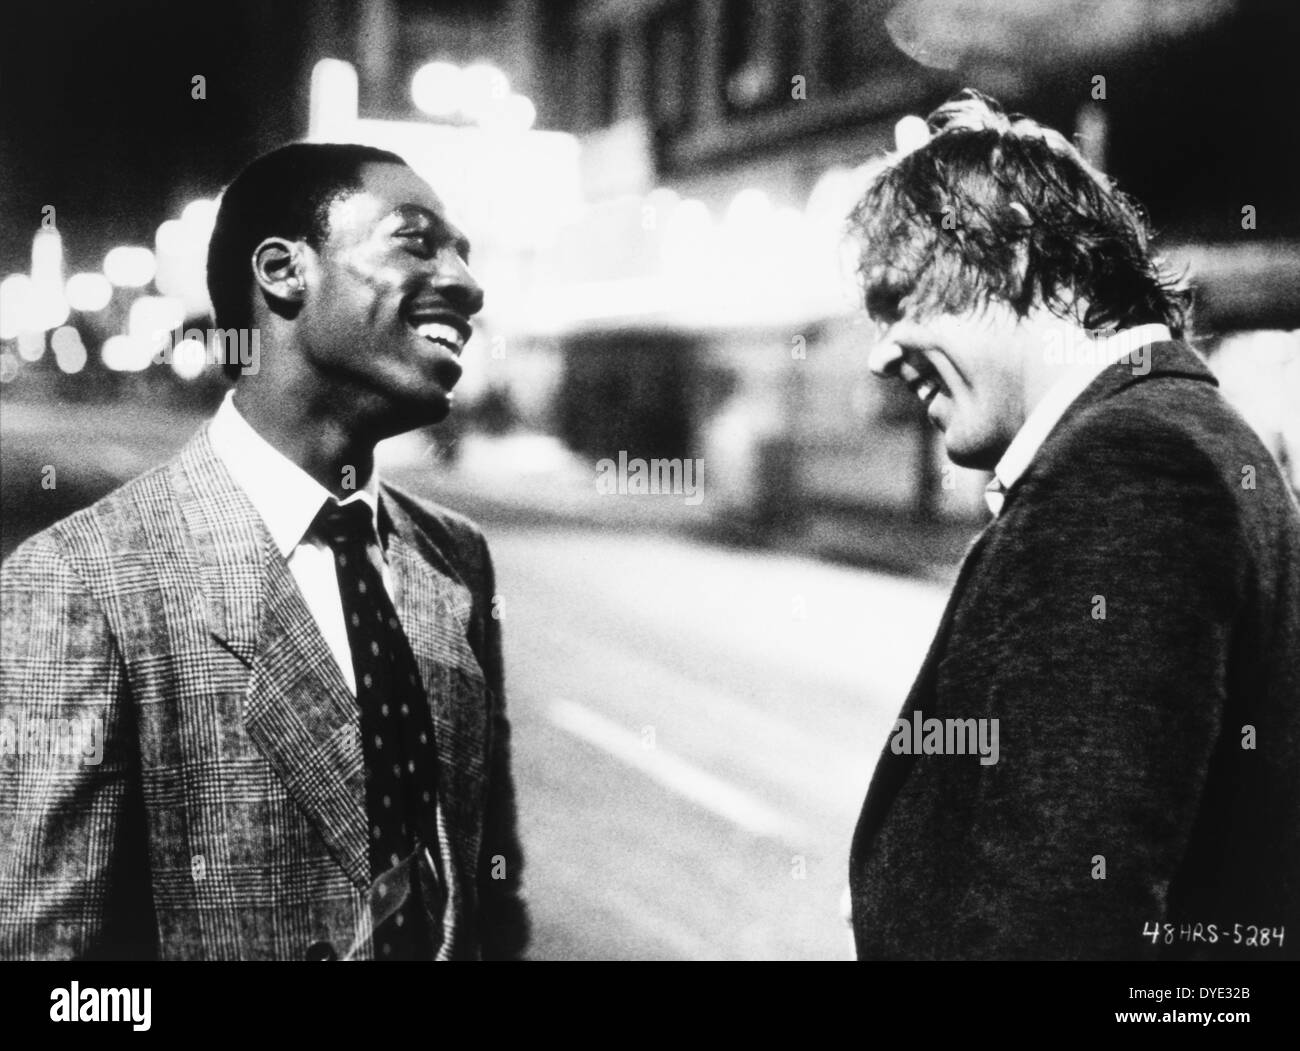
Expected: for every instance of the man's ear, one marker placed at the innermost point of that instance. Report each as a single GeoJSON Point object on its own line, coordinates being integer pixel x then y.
{"type": "Point", "coordinates": [277, 269]}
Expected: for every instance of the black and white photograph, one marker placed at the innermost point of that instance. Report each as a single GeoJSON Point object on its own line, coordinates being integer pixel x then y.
{"type": "Point", "coordinates": [652, 480]}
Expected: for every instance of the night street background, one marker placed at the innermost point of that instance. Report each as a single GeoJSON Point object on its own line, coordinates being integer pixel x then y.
{"type": "Point", "coordinates": [657, 194]}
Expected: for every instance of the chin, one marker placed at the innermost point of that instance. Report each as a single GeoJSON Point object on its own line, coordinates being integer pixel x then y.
{"type": "Point", "coordinates": [439, 409]}
{"type": "Point", "coordinates": [428, 408]}
{"type": "Point", "coordinates": [978, 457]}
{"type": "Point", "coordinates": [412, 410]}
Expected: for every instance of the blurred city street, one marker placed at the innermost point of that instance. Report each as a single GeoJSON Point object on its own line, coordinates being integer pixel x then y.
{"type": "Point", "coordinates": [694, 726]}
{"type": "Point", "coordinates": [692, 757]}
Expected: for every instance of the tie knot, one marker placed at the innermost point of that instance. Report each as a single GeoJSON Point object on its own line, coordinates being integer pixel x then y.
{"type": "Point", "coordinates": [343, 525]}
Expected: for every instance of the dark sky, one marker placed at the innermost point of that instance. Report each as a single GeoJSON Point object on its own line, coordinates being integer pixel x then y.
{"type": "Point", "coordinates": [97, 118]}
{"type": "Point", "coordinates": [1208, 124]}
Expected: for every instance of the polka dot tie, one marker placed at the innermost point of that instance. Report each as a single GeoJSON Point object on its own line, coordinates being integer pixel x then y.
{"type": "Point", "coordinates": [396, 726]}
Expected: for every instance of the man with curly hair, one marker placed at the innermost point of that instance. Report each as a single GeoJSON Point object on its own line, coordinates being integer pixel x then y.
{"type": "Point", "coordinates": [1126, 631]}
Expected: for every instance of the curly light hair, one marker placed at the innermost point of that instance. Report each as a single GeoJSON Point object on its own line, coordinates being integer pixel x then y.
{"type": "Point", "coordinates": [998, 207]}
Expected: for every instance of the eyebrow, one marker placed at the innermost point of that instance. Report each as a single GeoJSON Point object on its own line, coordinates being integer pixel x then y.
{"type": "Point", "coordinates": [419, 215]}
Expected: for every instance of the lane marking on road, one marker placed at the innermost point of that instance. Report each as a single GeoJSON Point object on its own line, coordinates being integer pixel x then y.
{"type": "Point", "coordinates": [675, 774]}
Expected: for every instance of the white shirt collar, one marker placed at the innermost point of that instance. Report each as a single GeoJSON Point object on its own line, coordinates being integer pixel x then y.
{"type": "Point", "coordinates": [285, 495]}
{"type": "Point", "coordinates": [1049, 410]}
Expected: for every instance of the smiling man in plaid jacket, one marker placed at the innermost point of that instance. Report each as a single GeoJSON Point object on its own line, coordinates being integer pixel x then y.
{"type": "Point", "coordinates": [289, 675]}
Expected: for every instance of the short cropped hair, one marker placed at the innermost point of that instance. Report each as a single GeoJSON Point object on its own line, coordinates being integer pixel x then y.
{"type": "Point", "coordinates": [285, 193]}
{"type": "Point", "coordinates": [999, 207]}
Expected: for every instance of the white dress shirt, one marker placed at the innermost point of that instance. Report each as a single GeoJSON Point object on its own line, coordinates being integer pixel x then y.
{"type": "Point", "coordinates": [288, 499]}
{"type": "Point", "coordinates": [1060, 396]}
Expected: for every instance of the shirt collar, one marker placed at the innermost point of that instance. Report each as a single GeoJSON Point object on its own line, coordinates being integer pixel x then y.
{"type": "Point", "coordinates": [286, 496]}
{"type": "Point", "coordinates": [1059, 397]}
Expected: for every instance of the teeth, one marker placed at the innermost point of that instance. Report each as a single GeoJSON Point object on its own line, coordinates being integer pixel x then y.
{"type": "Point", "coordinates": [925, 388]}
{"type": "Point", "coordinates": [441, 333]}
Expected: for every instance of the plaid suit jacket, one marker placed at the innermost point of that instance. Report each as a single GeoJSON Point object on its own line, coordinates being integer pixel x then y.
{"type": "Point", "coordinates": [226, 818]}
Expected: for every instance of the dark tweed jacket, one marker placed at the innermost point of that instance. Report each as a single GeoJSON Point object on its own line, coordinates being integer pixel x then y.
{"type": "Point", "coordinates": [227, 818]}
{"type": "Point", "coordinates": [1120, 737]}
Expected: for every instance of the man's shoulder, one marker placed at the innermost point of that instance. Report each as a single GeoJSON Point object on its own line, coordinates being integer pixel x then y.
{"type": "Point", "coordinates": [432, 516]}
{"type": "Point", "coordinates": [449, 533]}
{"type": "Point", "coordinates": [127, 519]}
{"type": "Point", "coordinates": [1164, 426]}
{"type": "Point", "coordinates": [1164, 457]}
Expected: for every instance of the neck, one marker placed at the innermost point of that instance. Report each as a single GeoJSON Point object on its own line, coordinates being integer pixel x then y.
{"type": "Point", "coordinates": [1057, 349]}
{"type": "Point", "coordinates": [322, 444]}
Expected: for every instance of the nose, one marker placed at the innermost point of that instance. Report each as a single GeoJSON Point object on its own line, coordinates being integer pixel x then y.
{"type": "Point", "coordinates": [456, 284]}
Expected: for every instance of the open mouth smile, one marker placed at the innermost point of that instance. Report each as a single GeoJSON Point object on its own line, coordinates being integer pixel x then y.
{"type": "Point", "coordinates": [442, 335]}
{"type": "Point", "coordinates": [923, 381]}
{"type": "Point", "coordinates": [443, 328]}
{"type": "Point", "coordinates": [926, 390]}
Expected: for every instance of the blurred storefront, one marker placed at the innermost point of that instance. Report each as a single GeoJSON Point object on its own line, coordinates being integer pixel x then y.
{"type": "Point", "coordinates": [704, 283]}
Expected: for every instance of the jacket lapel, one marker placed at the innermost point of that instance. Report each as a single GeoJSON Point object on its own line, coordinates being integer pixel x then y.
{"type": "Point", "coordinates": [892, 770]}
{"type": "Point", "coordinates": [435, 608]}
{"type": "Point", "coordinates": [435, 611]}
{"type": "Point", "coordinates": [299, 712]}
